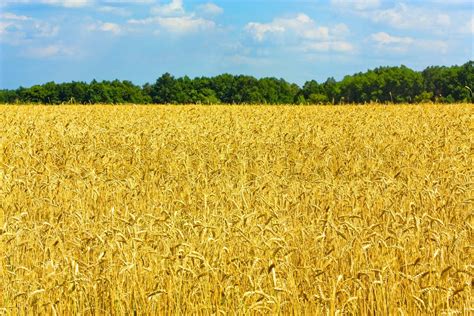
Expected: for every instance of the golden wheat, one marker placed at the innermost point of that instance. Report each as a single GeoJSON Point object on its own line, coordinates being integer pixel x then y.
{"type": "Point", "coordinates": [212, 210]}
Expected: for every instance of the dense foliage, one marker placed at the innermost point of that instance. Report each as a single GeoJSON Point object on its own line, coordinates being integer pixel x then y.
{"type": "Point", "coordinates": [383, 84]}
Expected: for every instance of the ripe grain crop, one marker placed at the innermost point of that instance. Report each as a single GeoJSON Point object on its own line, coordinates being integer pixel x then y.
{"type": "Point", "coordinates": [361, 210]}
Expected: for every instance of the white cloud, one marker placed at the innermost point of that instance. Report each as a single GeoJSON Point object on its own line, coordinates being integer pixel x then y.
{"type": "Point", "coordinates": [340, 30]}
{"type": "Point", "coordinates": [451, 2]}
{"type": "Point", "coordinates": [356, 4]}
{"type": "Point", "coordinates": [5, 3]}
{"type": "Point", "coordinates": [433, 45]}
{"type": "Point", "coordinates": [114, 10]}
{"type": "Point", "coordinates": [48, 51]}
{"type": "Point", "coordinates": [175, 7]}
{"type": "Point", "coordinates": [301, 25]}
{"type": "Point", "coordinates": [4, 26]}
{"type": "Point", "coordinates": [12, 16]}
{"type": "Point", "coordinates": [390, 43]}
{"type": "Point", "coordinates": [403, 16]}
{"type": "Point", "coordinates": [439, 17]}
{"type": "Point", "coordinates": [128, 1]}
{"type": "Point", "coordinates": [185, 24]}
{"type": "Point", "coordinates": [63, 3]}
{"type": "Point", "coordinates": [44, 29]}
{"type": "Point", "coordinates": [110, 27]}
{"type": "Point", "coordinates": [179, 24]}
{"type": "Point", "coordinates": [68, 3]}
{"type": "Point", "coordinates": [336, 46]}
{"type": "Point", "coordinates": [386, 39]}
{"type": "Point", "coordinates": [302, 32]}
{"type": "Point", "coordinates": [259, 30]}
{"type": "Point", "coordinates": [105, 27]}
{"type": "Point", "coordinates": [18, 30]}
{"type": "Point", "coordinates": [173, 18]}
{"type": "Point", "coordinates": [210, 9]}
{"type": "Point", "coordinates": [469, 28]}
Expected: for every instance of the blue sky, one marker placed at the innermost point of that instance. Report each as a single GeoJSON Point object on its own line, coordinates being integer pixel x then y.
{"type": "Point", "coordinates": [138, 40]}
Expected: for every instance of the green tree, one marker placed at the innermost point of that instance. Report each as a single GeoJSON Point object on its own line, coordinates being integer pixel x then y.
{"type": "Point", "coordinates": [165, 90]}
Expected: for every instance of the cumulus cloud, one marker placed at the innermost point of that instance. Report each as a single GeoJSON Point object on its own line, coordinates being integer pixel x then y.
{"type": "Point", "coordinates": [178, 24]}
{"type": "Point", "coordinates": [433, 45]}
{"type": "Point", "coordinates": [434, 16]}
{"type": "Point", "coordinates": [451, 2]}
{"type": "Point", "coordinates": [356, 4]}
{"type": "Point", "coordinates": [14, 17]}
{"type": "Point", "coordinates": [4, 29]}
{"type": "Point", "coordinates": [113, 28]}
{"type": "Point", "coordinates": [175, 7]}
{"type": "Point", "coordinates": [63, 3]}
{"type": "Point", "coordinates": [173, 18]}
{"type": "Point", "coordinates": [340, 30]}
{"type": "Point", "coordinates": [114, 10]}
{"type": "Point", "coordinates": [48, 51]}
{"type": "Point", "coordinates": [326, 46]}
{"type": "Point", "coordinates": [302, 31]}
{"type": "Point", "coordinates": [128, 1]}
{"type": "Point", "coordinates": [403, 16]}
{"type": "Point", "coordinates": [34, 38]}
{"type": "Point", "coordinates": [185, 24]}
{"type": "Point", "coordinates": [76, 3]}
{"type": "Point", "coordinates": [301, 25]}
{"type": "Point", "coordinates": [45, 29]}
{"type": "Point", "coordinates": [469, 28]}
{"type": "Point", "coordinates": [68, 3]}
{"type": "Point", "coordinates": [20, 29]}
{"type": "Point", "coordinates": [260, 30]}
{"type": "Point", "coordinates": [391, 43]}
{"type": "Point", "coordinates": [386, 39]}
{"type": "Point", "coordinates": [210, 9]}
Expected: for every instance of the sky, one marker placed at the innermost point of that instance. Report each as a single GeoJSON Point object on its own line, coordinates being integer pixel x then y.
{"type": "Point", "coordinates": [139, 40]}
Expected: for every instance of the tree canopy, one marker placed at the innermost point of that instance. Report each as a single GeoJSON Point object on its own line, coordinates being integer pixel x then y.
{"type": "Point", "coordinates": [383, 84]}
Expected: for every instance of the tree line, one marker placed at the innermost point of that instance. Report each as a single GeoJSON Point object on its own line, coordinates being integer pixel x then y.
{"type": "Point", "coordinates": [384, 84]}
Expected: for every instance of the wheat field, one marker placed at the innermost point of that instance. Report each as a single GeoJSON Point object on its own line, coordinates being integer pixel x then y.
{"type": "Point", "coordinates": [354, 210]}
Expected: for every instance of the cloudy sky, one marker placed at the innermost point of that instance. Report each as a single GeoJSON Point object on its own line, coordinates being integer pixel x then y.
{"type": "Point", "coordinates": [138, 40]}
